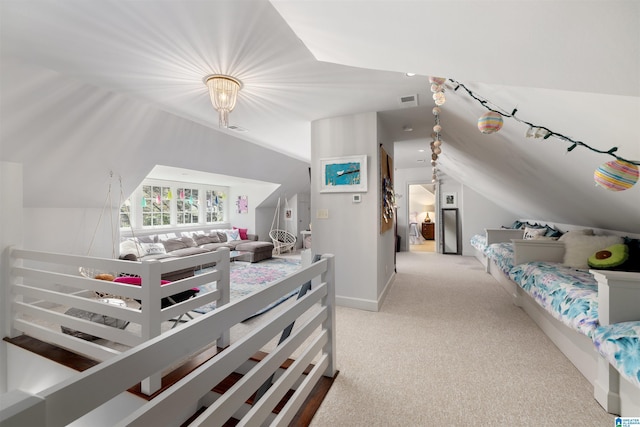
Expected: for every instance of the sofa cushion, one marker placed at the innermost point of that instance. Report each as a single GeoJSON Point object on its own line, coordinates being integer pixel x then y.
{"type": "Point", "coordinates": [188, 251]}
{"type": "Point", "coordinates": [252, 246]}
{"type": "Point", "coordinates": [215, 246]}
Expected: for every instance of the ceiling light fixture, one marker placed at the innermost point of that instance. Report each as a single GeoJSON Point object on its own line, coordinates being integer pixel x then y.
{"type": "Point", "coordinates": [407, 128]}
{"type": "Point", "coordinates": [223, 91]}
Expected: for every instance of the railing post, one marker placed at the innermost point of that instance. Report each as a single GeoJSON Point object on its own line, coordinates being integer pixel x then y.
{"type": "Point", "coordinates": [330, 323]}
{"type": "Point", "coordinates": [9, 280]}
{"type": "Point", "coordinates": [151, 315]}
{"type": "Point", "coordinates": [224, 286]}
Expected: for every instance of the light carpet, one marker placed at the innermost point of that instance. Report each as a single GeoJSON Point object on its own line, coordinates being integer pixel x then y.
{"type": "Point", "coordinates": [448, 347]}
{"type": "Point", "coordinates": [247, 278]}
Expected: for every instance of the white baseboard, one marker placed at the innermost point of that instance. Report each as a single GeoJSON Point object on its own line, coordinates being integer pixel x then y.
{"type": "Point", "coordinates": [385, 291]}
{"type": "Point", "coordinates": [366, 304]}
{"type": "Point", "coordinates": [359, 303]}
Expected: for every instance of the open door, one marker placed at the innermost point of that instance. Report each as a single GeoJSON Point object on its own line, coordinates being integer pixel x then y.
{"type": "Point", "coordinates": [421, 232]}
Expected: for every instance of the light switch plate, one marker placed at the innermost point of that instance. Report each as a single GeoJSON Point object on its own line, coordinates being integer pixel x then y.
{"type": "Point", "coordinates": [322, 213]}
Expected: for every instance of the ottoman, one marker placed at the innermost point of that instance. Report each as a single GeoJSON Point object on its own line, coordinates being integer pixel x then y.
{"type": "Point", "coordinates": [256, 251]}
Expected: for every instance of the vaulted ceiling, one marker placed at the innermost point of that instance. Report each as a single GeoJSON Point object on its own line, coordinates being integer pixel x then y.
{"type": "Point", "coordinates": [120, 83]}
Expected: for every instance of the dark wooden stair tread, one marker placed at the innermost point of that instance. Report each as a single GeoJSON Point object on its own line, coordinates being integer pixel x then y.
{"type": "Point", "coordinates": [81, 363]}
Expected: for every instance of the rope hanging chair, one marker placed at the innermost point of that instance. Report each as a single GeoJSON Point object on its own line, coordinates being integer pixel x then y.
{"type": "Point", "coordinates": [93, 273]}
{"type": "Point", "coordinates": [283, 240]}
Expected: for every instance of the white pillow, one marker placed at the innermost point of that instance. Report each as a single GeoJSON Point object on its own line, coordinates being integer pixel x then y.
{"type": "Point", "coordinates": [152, 248]}
{"type": "Point", "coordinates": [131, 247]}
{"type": "Point", "coordinates": [581, 232]}
{"type": "Point", "coordinates": [579, 247]}
{"type": "Point", "coordinates": [232, 234]}
{"type": "Point", "coordinates": [533, 233]}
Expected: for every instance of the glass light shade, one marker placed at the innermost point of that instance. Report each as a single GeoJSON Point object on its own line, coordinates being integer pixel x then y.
{"type": "Point", "coordinates": [223, 91]}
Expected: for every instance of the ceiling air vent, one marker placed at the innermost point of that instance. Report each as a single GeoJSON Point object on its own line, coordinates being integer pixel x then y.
{"type": "Point", "coordinates": [409, 100]}
{"type": "Point", "coordinates": [236, 128]}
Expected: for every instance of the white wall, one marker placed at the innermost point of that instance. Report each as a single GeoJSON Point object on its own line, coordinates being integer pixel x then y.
{"type": "Point", "coordinates": [480, 213]}
{"type": "Point", "coordinates": [351, 231]}
{"type": "Point", "coordinates": [386, 240]}
{"type": "Point", "coordinates": [256, 195]}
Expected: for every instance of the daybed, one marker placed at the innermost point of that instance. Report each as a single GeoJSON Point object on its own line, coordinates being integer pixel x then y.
{"type": "Point", "coordinates": [593, 316]}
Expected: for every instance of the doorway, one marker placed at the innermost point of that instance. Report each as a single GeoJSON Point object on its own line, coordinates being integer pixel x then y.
{"type": "Point", "coordinates": [422, 217]}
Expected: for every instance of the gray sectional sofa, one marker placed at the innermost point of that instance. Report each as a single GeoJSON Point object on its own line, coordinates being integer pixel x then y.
{"type": "Point", "coordinates": [180, 244]}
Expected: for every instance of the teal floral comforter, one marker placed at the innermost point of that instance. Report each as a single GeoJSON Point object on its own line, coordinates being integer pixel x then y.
{"type": "Point", "coordinates": [619, 344]}
{"type": "Point", "coordinates": [479, 242]}
{"type": "Point", "coordinates": [502, 254]}
{"type": "Point", "coordinates": [570, 295]}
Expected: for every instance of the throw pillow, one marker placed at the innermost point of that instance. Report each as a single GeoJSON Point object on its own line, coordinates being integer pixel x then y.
{"type": "Point", "coordinates": [188, 241]}
{"type": "Point", "coordinates": [171, 245]}
{"type": "Point", "coordinates": [152, 248]}
{"type": "Point", "coordinates": [135, 280]}
{"type": "Point", "coordinates": [609, 257]}
{"type": "Point", "coordinates": [570, 234]}
{"type": "Point", "coordinates": [532, 233]}
{"type": "Point", "coordinates": [232, 235]}
{"type": "Point", "coordinates": [201, 239]}
{"type": "Point", "coordinates": [130, 247]}
{"type": "Point", "coordinates": [579, 247]}
{"type": "Point", "coordinates": [243, 233]}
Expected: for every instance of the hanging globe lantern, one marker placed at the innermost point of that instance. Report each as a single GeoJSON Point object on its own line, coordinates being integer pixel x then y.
{"type": "Point", "coordinates": [616, 175]}
{"type": "Point", "coordinates": [436, 111]}
{"type": "Point", "coordinates": [490, 122]}
{"type": "Point", "coordinates": [437, 80]}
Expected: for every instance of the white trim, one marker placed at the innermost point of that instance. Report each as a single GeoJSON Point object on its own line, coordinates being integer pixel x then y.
{"type": "Point", "coordinates": [359, 303]}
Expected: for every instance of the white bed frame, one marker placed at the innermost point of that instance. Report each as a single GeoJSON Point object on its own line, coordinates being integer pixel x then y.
{"type": "Point", "coordinates": [618, 301]}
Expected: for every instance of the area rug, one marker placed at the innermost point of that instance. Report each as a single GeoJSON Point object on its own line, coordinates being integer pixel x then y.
{"type": "Point", "coordinates": [247, 278]}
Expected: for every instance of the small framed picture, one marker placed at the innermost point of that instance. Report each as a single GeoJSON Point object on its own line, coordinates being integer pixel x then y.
{"type": "Point", "coordinates": [343, 174]}
{"type": "Point", "coordinates": [449, 200]}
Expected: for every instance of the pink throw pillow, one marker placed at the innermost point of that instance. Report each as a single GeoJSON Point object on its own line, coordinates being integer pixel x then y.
{"type": "Point", "coordinates": [135, 280]}
{"type": "Point", "coordinates": [243, 232]}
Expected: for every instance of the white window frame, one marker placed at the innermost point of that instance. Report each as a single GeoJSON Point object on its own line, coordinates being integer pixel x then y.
{"type": "Point", "coordinates": [136, 210]}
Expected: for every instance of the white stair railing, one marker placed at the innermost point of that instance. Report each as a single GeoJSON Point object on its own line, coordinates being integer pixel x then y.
{"type": "Point", "coordinates": [40, 282]}
{"type": "Point", "coordinates": [65, 402]}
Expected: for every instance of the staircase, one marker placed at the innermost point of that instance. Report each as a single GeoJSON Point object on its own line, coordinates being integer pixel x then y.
{"type": "Point", "coordinates": [214, 386]}
{"type": "Point", "coordinates": [302, 418]}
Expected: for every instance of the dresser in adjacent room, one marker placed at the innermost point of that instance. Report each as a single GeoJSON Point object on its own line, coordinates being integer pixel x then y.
{"type": "Point", "coordinates": [428, 231]}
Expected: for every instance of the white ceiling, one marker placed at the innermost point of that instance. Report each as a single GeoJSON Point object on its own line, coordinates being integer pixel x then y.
{"type": "Point", "coordinates": [572, 66]}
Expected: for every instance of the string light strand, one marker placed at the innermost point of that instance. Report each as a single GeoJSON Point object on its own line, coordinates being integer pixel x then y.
{"type": "Point", "coordinates": [547, 132]}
